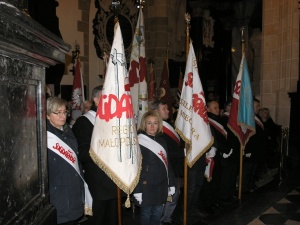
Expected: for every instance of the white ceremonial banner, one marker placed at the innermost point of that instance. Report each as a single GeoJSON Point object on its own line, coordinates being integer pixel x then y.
{"type": "Point", "coordinates": [192, 121]}
{"type": "Point", "coordinates": [138, 71]}
{"type": "Point", "coordinates": [114, 144]}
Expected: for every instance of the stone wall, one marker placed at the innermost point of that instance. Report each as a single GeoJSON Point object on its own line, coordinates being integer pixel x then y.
{"type": "Point", "coordinates": [280, 56]}
{"type": "Point", "coordinates": [165, 32]}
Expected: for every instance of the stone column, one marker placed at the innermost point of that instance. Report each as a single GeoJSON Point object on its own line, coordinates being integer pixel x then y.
{"type": "Point", "coordinates": [255, 43]}
{"type": "Point", "coordinates": [26, 50]}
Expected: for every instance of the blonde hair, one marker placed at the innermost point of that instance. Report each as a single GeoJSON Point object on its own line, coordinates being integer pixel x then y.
{"type": "Point", "coordinates": [152, 113]}
{"type": "Point", "coordinates": [53, 103]}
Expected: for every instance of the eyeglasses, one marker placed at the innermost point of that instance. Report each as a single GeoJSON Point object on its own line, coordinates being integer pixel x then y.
{"type": "Point", "coordinates": [65, 113]}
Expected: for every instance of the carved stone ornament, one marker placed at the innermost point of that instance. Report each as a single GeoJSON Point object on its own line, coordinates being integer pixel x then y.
{"type": "Point", "coordinates": [103, 24]}
{"type": "Point", "coordinates": [208, 29]}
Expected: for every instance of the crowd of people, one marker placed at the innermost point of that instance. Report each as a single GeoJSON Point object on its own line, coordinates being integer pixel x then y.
{"type": "Point", "coordinates": [157, 193]}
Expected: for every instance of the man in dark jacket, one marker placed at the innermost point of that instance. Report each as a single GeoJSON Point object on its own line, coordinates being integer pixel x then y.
{"type": "Point", "coordinates": [255, 152]}
{"type": "Point", "coordinates": [102, 188]}
{"type": "Point", "coordinates": [211, 194]}
{"type": "Point", "coordinates": [230, 162]}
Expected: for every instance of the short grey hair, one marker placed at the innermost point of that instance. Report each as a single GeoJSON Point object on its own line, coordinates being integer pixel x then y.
{"type": "Point", "coordinates": [154, 105]}
{"type": "Point", "coordinates": [96, 91]}
{"type": "Point", "coordinates": [53, 103]}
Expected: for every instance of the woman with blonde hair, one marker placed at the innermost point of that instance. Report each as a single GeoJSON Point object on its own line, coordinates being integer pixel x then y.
{"type": "Point", "coordinates": [157, 179]}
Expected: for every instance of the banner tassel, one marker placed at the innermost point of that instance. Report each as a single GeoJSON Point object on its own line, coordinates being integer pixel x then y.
{"type": "Point", "coordinates": [127, 203]}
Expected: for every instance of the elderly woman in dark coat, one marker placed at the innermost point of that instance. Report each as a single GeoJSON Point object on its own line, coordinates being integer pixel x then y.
{"type": "Point", "coordinates": [65, 183]}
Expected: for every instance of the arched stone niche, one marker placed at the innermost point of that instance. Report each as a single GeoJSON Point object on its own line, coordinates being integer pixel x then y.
{"type": "Point", "coordinates": [103, 25]}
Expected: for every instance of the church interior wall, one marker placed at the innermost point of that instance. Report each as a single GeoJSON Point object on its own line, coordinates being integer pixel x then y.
{"type": "Point", "coordinates": [273, 77]}
{"type": "Point", "coordinates": [280, 61]}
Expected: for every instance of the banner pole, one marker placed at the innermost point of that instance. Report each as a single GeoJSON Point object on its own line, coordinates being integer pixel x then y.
{"type": "Point", "coordinates": [242, 147]}
{"type": "Point", "coordinates": [119, 207]}
{"type": "Point", "coordinates": [241, 172]}
{"type": "Point", "coordinates": [185, 192]}
{"type": "Point", "coordinates": [185, 195]}
{"type": "Point", "coordinates": [115, 6]}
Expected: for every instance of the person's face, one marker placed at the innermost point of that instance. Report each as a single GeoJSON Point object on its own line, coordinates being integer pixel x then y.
{"type": "Point", "coordinates": [151, 125]}
{"type": "Point", "coordinates": [256, 106]}
{"type": "Point", "coordinates": [163, 111]}
{"type": "Point", "coordinates": [264, 114]}
{"type": "Point", "coordinates": [228, 108]}
{"type": "Point", "coordinates": [87, 106]}
{"type": "Point", "coordinates": [214, 108]}
{"type": "Point", "coordinates": [97, 99]}
{"type": "Point", "coordinates": [59, 117]}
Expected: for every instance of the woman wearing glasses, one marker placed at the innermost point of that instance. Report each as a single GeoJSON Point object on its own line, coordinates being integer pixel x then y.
{"type": "Point", "coordinates": [65, 181]}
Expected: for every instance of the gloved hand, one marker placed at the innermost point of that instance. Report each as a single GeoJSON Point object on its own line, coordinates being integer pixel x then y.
{"type": "Point", "coordinates": [248, 155]}
{"type": "Point", "coordinates": [138, 197]}
{"type": "Point", "coordinates": [225, 156]}
{"type": "Point", "coordinates": [171, 191]}
{"type": "Point", "coordinates": [211, 153]}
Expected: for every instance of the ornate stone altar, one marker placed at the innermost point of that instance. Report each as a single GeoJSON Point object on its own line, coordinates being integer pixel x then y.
{"type": "Point", "coordinates": [26, 49]}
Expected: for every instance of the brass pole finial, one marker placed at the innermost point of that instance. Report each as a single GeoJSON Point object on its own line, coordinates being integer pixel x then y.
{"type": "Point", "coordinates": [140, 3]}
{"type": "Point", "coordinates": [243, 38]}
{"type": "Point", "coordinates": [187, 18]}
{"type": "Point", "coordinates": [115, 5]}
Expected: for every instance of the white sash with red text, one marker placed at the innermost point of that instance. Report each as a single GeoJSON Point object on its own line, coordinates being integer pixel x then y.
{"type": "Point", "coordinates": [60, 148]}
{"type": "Point", "coordinates": [154, 147]}
{"type": "Point", "coordinates": [169, 130]}
{"type": "Point", "coordinates": [218, 127]}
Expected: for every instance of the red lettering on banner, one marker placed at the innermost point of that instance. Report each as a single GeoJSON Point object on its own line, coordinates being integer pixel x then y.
{"type": "Point", "coordinates": [133, 76]}
{"type": "Point", "coordinates": [126, 84]}
{"type": "Point", "coordinates": [105, 107]}
{"type": "Point", "coordinates": [237, 87]}
{"type": "Point", "coordinates": [143, 69]}
{"type": "Point", "coordinates": [189, 82]}
{"type": "Point", "coordinates": [164, 157]}
{"type": "Point", "coordinates": [199, 106]}
{"type": "Point", "coordinates": [66, 153]}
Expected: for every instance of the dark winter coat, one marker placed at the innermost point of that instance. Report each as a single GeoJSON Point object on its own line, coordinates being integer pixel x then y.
{"type": "Point", "coordinates": [175, 154]}
{"type": "Point", "coordinates": [257, 145]}
{"type": "Point", "coordinates": [220, 141]}
{"type": "Point", "coordinates": [100, 185]}
{"type": "Point", "coordinates": [232, 141]}
{"type": "Point", "coordinates": [153, 183]}
{"type": "Point", "coordinates": [65, 184]}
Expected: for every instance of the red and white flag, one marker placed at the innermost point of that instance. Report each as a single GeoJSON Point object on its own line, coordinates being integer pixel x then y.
{"type": "Point", "coordinates": [114, 144]}
{"type": "Point", "coordinates": [137, 71]}
{"type": "Point", "coordinates": [164, 89]}
{"type": "Point", "coordinates": [152, 95]}
{"type": "Point", "coordinates": [192, 122]}
{"type": "Point", "coordinates": [241, 118]}
{"type": "Point", "coordinates": [77, 92]}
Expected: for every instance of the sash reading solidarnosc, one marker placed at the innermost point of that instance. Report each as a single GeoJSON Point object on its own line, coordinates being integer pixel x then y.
{"type": "Point", "coordinates": [169, 130]}
{"type": "Point", "coordinates": [218, 127]}
{"type": "Point", "coordinates": [60, 148]}
{"type": "Point", "coordinates": [154, 147]}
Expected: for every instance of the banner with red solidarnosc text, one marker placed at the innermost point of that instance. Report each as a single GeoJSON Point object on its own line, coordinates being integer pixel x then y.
{"type": "Point", "coordinates": [114, 144]}
{"type": "Point", "coordinates": [192, 120]}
